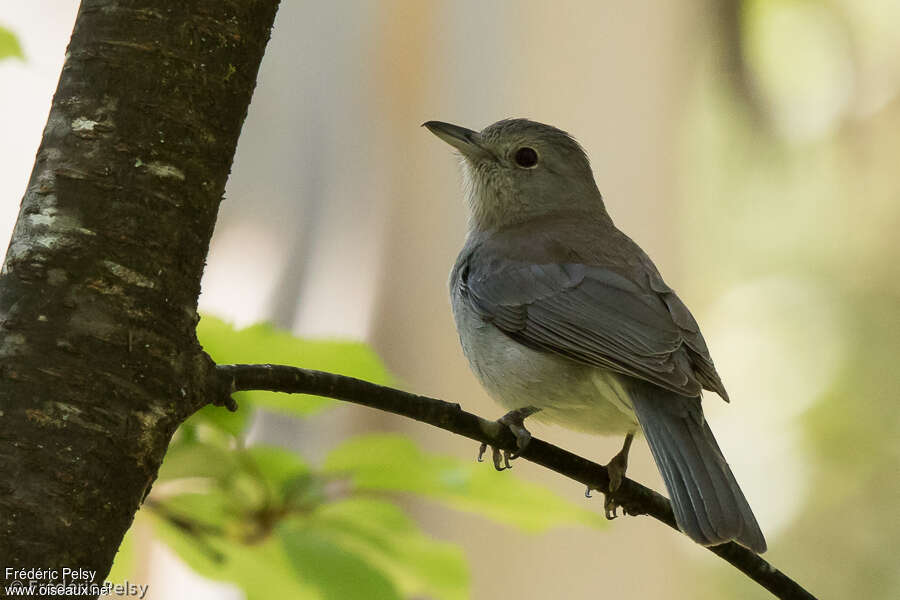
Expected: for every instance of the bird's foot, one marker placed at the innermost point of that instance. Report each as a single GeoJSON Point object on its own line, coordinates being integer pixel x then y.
{"type": "Point", "coordinates": [616, 468]}
{"type": "Point", "coordinates": [515, 421]}
{"type": "Point", "coordinates": [610, 505]}
{"type": "Point", "coordinates": [500, 457]}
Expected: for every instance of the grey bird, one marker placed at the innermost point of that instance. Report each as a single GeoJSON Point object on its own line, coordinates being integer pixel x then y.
{"type": "Point", "coordinates": [564, 317]}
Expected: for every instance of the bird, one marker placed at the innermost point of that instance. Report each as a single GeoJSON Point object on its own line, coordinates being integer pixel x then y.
{"type": "Point", "coordinates": [565, 319]}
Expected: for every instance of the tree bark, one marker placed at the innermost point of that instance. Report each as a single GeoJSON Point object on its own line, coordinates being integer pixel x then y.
{"type": "Point", "coordinates": [99, 362]}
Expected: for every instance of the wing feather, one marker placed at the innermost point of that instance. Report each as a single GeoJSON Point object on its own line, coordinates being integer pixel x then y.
{"type": "Point", "coordinates": [596, 316]}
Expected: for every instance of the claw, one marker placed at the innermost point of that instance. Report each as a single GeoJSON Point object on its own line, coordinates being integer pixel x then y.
{"type": "Point", "coordinates": [514, 420]}
{"type": "Point", "coordinates": [616, 468]}
{"type": "Point", "coordinates": [611, 507]}
{"type": "Point", "coordinates": [501, 459]}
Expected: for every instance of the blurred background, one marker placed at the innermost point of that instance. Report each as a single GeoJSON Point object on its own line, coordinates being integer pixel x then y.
{"type": "Point", "coordinates": [751, 147]}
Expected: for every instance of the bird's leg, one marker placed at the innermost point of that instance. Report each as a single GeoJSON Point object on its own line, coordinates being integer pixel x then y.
{"type": "Point", "coordinates": [515, 421]}
{"type": "Point", "coordinates": [616, 468]}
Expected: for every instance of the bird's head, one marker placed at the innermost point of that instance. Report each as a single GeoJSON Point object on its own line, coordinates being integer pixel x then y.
{"type": "Point", "coordinates": [517, 169]}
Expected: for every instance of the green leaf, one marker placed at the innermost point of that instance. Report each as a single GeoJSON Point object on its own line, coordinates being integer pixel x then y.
{"type": "Point", "coordinates": [286, 477]}
{"type": "Point", "coordinates": [391, 541]}
{"type": "Point", "coordinates": [353, 548]}
{"type": "Point", "coordinates": [9, 45]}
{"type": "Point", "coordinates": [197, 459]}
{"type": "Point", "coordinates": [257, 480]}
{"type": "Point", "coordinates": [336, 572]}
{"type": "Point", "coordinates": [208, 511]}
{"type": "Point", "coordinates": [262, 570]}
{"type": "Point", "coordinates": [234, 423]}
{"type": "Point", "coordinates": [276, 465]}
{"type": "Point", "coordinates": [394, 463]}
{"type": "Point", "coordinates": [265, 344]}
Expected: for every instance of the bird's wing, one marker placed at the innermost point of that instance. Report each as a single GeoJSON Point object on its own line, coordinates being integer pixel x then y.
{"type": "Point", "coordinates": [594, 315]}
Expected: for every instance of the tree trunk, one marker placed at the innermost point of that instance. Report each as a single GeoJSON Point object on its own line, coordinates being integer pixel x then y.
{"type": "Point", "coordinates": [99, 362]}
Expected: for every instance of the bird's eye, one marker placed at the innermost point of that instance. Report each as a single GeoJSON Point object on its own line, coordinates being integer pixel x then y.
{"type": "Point", "coordinates": [526, 157]}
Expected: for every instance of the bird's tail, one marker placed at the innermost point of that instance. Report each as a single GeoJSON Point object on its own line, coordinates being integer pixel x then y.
{"type": "Point", "coordinates": [708, 503]}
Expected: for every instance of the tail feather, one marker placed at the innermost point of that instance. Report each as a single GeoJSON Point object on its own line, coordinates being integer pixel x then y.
{"type": "Point", "coordinates": [711, 489]}
{"type": "Point", "coordinates": [708, 503]}
{"type": "Point", "coordinates": [691, 522]}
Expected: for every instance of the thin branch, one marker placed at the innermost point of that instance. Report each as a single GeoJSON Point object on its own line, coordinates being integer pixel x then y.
{"type": "Point", "coordinates": [632, 496]}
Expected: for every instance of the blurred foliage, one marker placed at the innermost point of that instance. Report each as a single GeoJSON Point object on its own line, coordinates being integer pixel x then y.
{"type": "Point", "coordinates": [264, 519]}
{"type": "Point", "coordinates": [798, 52]}
{"type": "Point", "coordinates": [264, 344]}
{"type": "Point", "coordinates": [9, 45]}
{"type": "Point", "coordinates": [814, 200]}
{"type": "Point", "coordinates": [395, 464]}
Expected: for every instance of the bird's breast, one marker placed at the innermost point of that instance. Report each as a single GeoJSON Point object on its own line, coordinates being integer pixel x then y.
{"type": "Point", "coordinates": [576, 396]}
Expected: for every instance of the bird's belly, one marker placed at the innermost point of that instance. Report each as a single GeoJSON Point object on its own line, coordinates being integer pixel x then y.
{"type": "Point", "coordinates": [570, 394]}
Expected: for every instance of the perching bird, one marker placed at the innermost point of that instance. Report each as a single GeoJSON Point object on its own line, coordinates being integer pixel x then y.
{"type": "Point", "coordinates": [563, 316]}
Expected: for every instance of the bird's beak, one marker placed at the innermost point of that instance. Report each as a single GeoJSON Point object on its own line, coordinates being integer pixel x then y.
{"type": "Point", "coordinates": [468, 142]}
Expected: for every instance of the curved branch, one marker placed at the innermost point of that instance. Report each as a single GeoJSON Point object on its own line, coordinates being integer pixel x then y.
{"type": "Point", "coordinates": [634, 497]}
